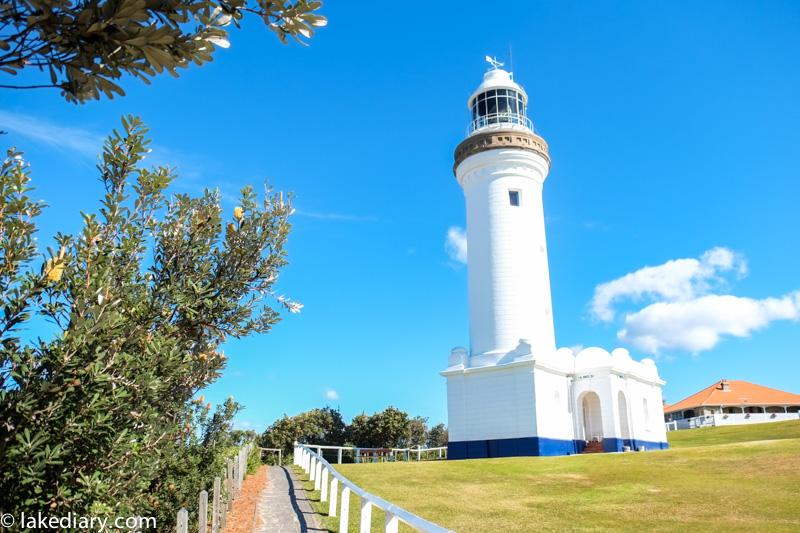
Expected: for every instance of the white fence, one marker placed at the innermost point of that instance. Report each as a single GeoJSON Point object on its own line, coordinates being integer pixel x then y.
{"type": "Point", "coordinates": [326, 480]}
{"type": "Point", "coordinates": [360, 455]}
{"type": "Point", "coordinates": [226, 489]}
{"type": "Point", "coordinates": [729, 419]}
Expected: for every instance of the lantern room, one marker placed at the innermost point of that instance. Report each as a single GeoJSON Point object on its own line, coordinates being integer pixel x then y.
{"type": "Point", "coordinates": [499, 102]}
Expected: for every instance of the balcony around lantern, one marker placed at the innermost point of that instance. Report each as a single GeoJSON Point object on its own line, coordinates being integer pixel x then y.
{"type": "Point", "coordinates": [499, 121]}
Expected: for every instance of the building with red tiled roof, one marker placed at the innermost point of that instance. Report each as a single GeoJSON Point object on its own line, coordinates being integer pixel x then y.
{"type": "Point", "coordinates": [733, 402]}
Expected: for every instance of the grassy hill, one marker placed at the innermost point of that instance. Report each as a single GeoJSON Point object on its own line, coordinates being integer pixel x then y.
{"type": "Point", "coordinates": [736, 478]}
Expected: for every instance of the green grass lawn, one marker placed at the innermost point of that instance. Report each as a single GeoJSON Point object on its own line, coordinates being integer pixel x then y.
{"type": "Point", "coordinates": [736, 478]}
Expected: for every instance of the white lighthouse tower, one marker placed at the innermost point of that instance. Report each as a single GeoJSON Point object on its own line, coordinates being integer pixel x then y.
{"type": "Point", "coordinates": [512, 392]}
{"type": "Point", "coordinates": [502, 166]}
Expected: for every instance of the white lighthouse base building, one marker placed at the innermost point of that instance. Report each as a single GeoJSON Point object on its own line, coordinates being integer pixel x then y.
{"type": "Point", "coordinates": [553, 404]}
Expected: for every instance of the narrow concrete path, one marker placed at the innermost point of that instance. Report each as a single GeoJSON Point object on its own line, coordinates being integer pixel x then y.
{"type": "Point", "coordinates": [283, 506]}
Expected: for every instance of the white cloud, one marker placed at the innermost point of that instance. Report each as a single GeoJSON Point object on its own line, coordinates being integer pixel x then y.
{"type": "Point", "coordinates": [456, 244]}
{"type": "Point", "coordinates": [89, 145]}
{"type": "Point", "coordinates": [674, 281]}
{"type": "Point", "coordinates": [331, 394]}
{"type": "Point", "coordinates": [66, 138]}
{"type": "Point", "coordinates": [699, 324]}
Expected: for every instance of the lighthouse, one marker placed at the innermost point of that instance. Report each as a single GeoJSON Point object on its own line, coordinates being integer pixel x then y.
{"type": "Point", "coordinates": [502, 166]}
{"type": "Point", "coordinates": [512, 392]}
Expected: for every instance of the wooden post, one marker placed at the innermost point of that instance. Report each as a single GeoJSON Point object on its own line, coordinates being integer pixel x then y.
{"type": "Point", "coordinates": [215, 507]}
{"type": "Point", "coordinates": [233, 479]}
{"type": "Point", "coordinates": [344, 514]}
{"type": "Point", "coordinates": [313, 469]}
{"type": "Point", "coordinates": [202, 512]}
{"type": "Point", "coordinates": [229, 489]}
{"type": "Point", "coordinates": [334, 496]}
{"type": "Point", "coordinates": [323, 497]}
{"type": "Point", "coordinates": [339, 459]}
{"type": "Point", "coordinates": [183, 521]}
{"type": "Point", "coordinates": [229, 480]}
{"type": "Point", "coordinates": [391, 524]}
{"type": "Point", "coordinates": [366, 516]}
{"type": "Point", "coordinates": [419, 454]}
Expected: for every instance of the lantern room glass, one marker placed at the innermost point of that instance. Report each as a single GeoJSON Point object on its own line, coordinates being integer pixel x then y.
{"type": "Point", "coordinates": [498, 106]}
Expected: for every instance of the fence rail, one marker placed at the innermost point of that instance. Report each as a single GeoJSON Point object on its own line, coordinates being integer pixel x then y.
{"type": "Point", "coordinates": [727, 419]}
{"type": "Point", "coordinates": [279, 451]}
{"type": "Point", "coordinates": [227, 487]}
{"type": "Point", "coordinates": [361, 454]}
{"type": "Point", "coordinates": [326, 480]}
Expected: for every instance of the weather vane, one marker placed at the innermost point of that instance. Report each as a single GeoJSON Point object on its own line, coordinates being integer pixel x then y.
{"type": "Point", "coordinates": [494, 62]}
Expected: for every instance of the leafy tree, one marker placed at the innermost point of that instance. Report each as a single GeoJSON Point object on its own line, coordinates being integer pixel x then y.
{"type": "Point", "coordinates": [97, 415]}
{"type": "Point", "coordinates": [86, 46]}
{"type": "Point", "coordinates": [318, 426]}
{"type": "Point", "coordinates": [359, 432]}
{"type": "Point", "coordinates": [437, 436]}
{"type": "Point", "coordinates": [385, 429]}
{"type": "Point", "coordinates": [390, 428]}
{"type": "Point", "coordinates": [417, 432]}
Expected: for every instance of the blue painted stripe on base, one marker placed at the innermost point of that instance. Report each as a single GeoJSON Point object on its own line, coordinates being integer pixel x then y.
{"type": "Point", "coordinates": [537, 446]}
{"type": "Point", "coordinates": [635, 444]}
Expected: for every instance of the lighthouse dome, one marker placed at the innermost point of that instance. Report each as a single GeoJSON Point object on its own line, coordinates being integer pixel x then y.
{"type": "Point", "coordinates": [498, 102]}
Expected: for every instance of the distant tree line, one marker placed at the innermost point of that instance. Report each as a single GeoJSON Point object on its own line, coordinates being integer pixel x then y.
{"type": "Point", "coordinates": [390, 428]}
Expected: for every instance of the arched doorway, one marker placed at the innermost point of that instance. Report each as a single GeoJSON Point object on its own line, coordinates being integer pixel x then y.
{"type": "Point", "coordinates": [592, 417]}
{"type": "Point", "coordinates": [624, 427]}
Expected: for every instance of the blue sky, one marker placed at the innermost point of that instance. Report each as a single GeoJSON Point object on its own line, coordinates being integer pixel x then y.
{"type": "Point", "coordinates": [673, 129]}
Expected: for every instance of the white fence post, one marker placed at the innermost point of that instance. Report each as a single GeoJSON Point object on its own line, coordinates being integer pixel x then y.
{"type": "Point", "coordinates": [339, 459]}
{"type": "Point", "coordinates": [391, 524]}
{"type": "Point", "coordinates": [344, 514]}
{"type": "Point", "coordinates": [326, 480]}
{"type": "Point", "coordinates": [202, 512]}
{"type": "Point", "coordinates": [323, 497]}
{"type": "Point", "coordinates": [183, 521]}
{"type": "Point", "coordinates": [366, 516]}
{"type": "Point", "coordinates": [215, 506]}
{"type": "Point", "coordinates": [334, 496]}
{"type": "Point", "coordinates": [235, 461]}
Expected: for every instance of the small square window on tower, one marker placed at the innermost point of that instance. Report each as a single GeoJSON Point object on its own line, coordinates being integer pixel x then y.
{"type": "Point", "coordinates": [513, 198]}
